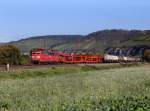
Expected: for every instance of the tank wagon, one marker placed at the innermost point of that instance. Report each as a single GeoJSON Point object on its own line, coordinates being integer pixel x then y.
{"type": "Point", "coordinates": [53, 56]}
{"type": "Point", "coordinates": [126, 54]}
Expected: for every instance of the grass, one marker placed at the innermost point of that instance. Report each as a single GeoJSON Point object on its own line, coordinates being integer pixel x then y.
{"type": "Point", "coordinates": [116, 89]}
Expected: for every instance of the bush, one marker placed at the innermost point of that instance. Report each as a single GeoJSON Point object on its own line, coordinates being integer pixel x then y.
{"type": "Point", "coordinates": [24, 60]}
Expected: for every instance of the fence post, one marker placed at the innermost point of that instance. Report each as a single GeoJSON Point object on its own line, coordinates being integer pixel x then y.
{"type": "Point", "coordinates": [7, 67]}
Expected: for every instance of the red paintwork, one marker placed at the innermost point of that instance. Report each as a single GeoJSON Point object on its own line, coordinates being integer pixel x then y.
{"type": "Point", "coordinates": [42, 56]}
{"type": "Point", "coordinates": [52, 56]}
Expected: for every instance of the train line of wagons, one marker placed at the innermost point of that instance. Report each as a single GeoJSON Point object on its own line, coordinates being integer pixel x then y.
{"type": "Point", "coordinates": [124, 54]}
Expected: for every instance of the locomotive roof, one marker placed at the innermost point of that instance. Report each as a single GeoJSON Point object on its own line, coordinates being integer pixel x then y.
{"type": "Point", "coordinates": [41, 49]}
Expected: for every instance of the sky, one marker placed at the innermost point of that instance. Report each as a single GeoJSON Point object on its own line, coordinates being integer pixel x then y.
{"type": "Point", "coordinates": [25, 18]}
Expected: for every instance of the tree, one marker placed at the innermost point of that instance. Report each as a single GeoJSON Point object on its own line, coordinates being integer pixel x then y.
{"type": "Point", "coordinates": [147, 55]}
{"type": "Point", "coordinates": [9, 54]}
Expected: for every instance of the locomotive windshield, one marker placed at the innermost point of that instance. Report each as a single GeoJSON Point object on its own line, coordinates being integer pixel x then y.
{"type": "Point", "coordinates": [36, 52]}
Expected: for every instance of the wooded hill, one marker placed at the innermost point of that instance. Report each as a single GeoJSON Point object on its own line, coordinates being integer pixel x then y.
{"type": "Point", "coordinates": [99, 40]}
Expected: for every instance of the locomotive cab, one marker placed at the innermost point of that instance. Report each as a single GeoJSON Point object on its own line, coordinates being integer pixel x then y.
{"type": "Point", "coordinates": [36, 56]}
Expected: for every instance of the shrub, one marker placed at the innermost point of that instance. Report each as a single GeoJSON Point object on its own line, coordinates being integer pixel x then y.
{"type": "Point", "coordinates": [24, 60]}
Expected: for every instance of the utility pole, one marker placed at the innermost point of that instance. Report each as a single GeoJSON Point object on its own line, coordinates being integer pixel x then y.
{"type": "Point", "coordinates": [44, 43]}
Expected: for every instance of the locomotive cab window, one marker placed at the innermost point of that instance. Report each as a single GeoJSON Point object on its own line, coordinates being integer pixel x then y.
{"type": "Point", "coordinates": [36, 52]}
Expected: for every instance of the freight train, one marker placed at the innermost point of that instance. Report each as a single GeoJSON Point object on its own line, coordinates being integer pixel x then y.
{"type": "Point", "coordinates": [124, 54]}
{"type": "Point", "coordinates": [53, 56]}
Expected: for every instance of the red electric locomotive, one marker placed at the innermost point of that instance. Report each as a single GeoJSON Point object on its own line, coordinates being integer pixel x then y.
{"type": "Point", "coordinates": [43, 56]}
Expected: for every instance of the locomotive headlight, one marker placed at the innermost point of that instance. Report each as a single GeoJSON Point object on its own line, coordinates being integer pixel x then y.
{"type": "Point", "coordinates": [38, 57]}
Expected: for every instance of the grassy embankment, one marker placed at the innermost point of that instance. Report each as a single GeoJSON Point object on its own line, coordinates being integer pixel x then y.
{"type": "Point", "coordinates": [81, 89]}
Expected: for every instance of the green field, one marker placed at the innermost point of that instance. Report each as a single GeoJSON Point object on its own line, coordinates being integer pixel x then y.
{"type": "Point", "coordinates": [76, 89]}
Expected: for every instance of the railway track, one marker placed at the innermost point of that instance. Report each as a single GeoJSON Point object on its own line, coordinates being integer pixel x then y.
{"type": "Point", "coordinates": [17, 67]}
{"type": "Point", "coordinates": [32, 66]}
